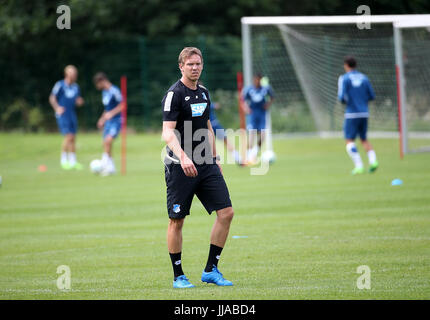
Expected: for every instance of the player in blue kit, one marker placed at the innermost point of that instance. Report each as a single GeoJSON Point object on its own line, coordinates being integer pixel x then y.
{"type": "Point", "coordinates": [220, 132]}
{"type": "Point", "coordinates": [64, 98]}
{"type": "Point", "coordinates": [110, 120]}
{"type": "Point", "coordinates": [257, 100]}
{"type": "Point", "coordinates": [355, 90]}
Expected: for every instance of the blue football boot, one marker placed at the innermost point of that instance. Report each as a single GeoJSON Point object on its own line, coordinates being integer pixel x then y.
{"type": "Point", "coordinates": [182, 282]}
{"type": "Point", "coordinates": [215, 277]}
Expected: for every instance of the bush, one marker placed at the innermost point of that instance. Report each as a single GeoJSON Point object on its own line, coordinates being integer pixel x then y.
{"type": "Point", "coordinates": [19, 114]}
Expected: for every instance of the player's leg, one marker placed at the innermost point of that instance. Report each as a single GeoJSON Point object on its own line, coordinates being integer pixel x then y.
{"type": "Point", "coordinates": [261, 137]}
{"type": "Point", "coordinates": [180, 191]}
{"type": "Point", "coordinates": [259, 123]}
{"type": "Point", "coordinates": [62, 127]}
{"type": "Point", "coordinates": [107, 161]}
{"type": "Point", "coordinates": [350, 131]}
{"type": "Point", "coordinates": [234, 153]}
{"type": "Point", "coordinates": [110, 132]}
{"type": "Point", "coordinates": [174, 245]}
{"type": "Point", "coordinates": [220, 134]}
{"type": "Point", "coordinates": [64, 152]}
{"type": "Point", "coordinates": [373, 162]}
{"type": "Point", "coordinates": [252, 131]}
{"type": "Point", "coordinates": [253, 145]}
{"type": "Point", "coordinates": [72, 130]}
{"type": "Point", "coordinates": [262, 128]}
{"type": "Point", "coordinates": [219, 236]}
{"type": "Point", "coordinates": [70, 148]}
{"type": "Point", "coordinates": [213, 193]}
{"type": "Point", "coordinates": [73, 163]}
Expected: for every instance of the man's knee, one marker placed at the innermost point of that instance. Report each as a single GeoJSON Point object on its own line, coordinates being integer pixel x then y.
{"type": "Point", "coordinates": [226, 214]}
{"type": "Point", "coordinates": [176, 224]}
{"type": "Point", "coordinates": [70, 138]}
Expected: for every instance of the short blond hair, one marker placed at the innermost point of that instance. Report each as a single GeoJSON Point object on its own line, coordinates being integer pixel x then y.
{"type": "Point", "coordinates": [187, 52]}
{"type": "Point", "coordinates": [70, 67]}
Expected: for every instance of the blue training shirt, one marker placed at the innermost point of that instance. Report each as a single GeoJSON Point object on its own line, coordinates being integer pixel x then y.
{"type": "Point", "coordinates": [66, 95]}
{"type": "Point", "coordinates": [111, 98]}
{"type": "Point", "coordinates": [355, 90]}
{"type": "Point", "coordinates": [256, 97]}
{"type": "Point", "coordinates": [212, 115]}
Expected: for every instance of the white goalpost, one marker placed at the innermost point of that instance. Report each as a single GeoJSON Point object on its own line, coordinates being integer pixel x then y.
{"type": "Point", "coordinates": [303, 58]}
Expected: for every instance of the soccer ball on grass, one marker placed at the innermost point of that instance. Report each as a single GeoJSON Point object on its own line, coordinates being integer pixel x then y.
{"type": "Point", "coordinates": [268, 156]}
{"type": "Point", "coordinates": [96, 166]}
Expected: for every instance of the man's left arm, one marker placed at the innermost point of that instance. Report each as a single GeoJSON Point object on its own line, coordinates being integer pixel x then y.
{"type": "Point", "coordinates": [113, 112]}
{"type": "Point", "coordinates": [79, 100]}
{"type": "Point", "coordinates": [271, 98]}
{"type": "Point", "coordinates": [370, 90]}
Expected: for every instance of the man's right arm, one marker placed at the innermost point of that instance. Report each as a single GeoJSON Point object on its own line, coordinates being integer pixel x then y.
{"type": "Point", "coordinates": [53, 99]}
{"type": "Point", "coordinates": [54, 104]}
{"type": "Point", "coordinates": [341, 89]}
{"type": "Point", "coordinates": [370, 90]}
{"type": "Point", "coordinates": [245, 96]}
{"type": "Point", "coordinates": [170, 138]}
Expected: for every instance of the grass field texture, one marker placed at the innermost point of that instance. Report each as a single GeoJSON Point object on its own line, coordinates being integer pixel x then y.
{"type": "Point", "coordinates": [308, 224]}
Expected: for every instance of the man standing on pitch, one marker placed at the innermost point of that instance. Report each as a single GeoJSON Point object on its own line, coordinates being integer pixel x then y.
{"type": "Point", "coordinates": [110, 120]}
{"type": "Point", "coordinates": [192, 167]}
{"type": "Point", "coordinates": [355, 90]}
{"type": "Point", "coordinates": [257, 100]}
{"type": "Point", "coordinates": [64, 98]}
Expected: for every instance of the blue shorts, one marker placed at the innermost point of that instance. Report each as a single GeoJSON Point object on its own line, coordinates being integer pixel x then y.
{"type": "Point", "coordinates": [112, 128]}
{"type": "Point", "coordinates": [67, 123]}
{"type": "Point", "coordinates": [257, 120]}
{"type": "Point", "coordinates": [354, 127]}
{"type": "Point", "coordinates": [218, 129]}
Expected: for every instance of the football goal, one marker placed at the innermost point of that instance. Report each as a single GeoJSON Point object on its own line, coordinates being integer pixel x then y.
{"type": "Point", "coordinates": [302, 57]}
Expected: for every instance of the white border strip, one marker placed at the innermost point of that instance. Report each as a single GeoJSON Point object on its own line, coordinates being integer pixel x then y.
{"type": "Point", "coordinates": [334, 19]}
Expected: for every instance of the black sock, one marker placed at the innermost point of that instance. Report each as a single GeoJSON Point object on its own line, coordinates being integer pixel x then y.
{"type": "Point", "coordinates": [214, 255]}
{"type": "Point", "coordinates": [177, 264]}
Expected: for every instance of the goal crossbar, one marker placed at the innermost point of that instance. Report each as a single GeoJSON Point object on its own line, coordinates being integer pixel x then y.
{"type": "Point", "coordinates": [334, 19]}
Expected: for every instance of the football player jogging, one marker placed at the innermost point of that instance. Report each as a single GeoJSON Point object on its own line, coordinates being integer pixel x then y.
{"type": "Point", "coordinates": [257, 100]}
{"type": "Point", "coordinates": [192, 167]}
{"type": "Point", "coordinates": [355, 90]}
{"type": "Point", "coordinates": [64, 98]}
{"type": "Point", "coordinates": [110, 120]}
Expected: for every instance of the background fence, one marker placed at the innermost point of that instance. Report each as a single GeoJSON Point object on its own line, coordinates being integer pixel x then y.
{"type": "Point", "coordinates": [149, 64]}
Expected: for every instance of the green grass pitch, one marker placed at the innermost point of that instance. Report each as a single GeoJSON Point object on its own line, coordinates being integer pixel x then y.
{"type": "Point", "coordinates": [309, 225]}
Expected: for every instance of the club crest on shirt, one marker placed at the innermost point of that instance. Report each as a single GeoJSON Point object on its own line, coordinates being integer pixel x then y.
{"type": "Point", "coordinates": [176, 208]}
{"type": "Point", "coordinates": [197, 109]}
{"type": "Point", "coordinates": [70, 93]}
{"type": "Point", "coordinates": [187, 98]}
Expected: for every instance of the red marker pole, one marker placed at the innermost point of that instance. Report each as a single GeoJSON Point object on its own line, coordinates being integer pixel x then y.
{"type": "Point", "coordinates": [124, 125]}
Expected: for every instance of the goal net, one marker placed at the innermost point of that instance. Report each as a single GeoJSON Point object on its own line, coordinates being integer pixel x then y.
{"type": "Point", "coordinates": [303, 59]}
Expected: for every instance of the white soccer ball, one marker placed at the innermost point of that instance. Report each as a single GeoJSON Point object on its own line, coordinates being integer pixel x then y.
{"type": "Point", "coordinates": [96, 166]}
{"type": "Point", "coordinates": [268, 156]}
